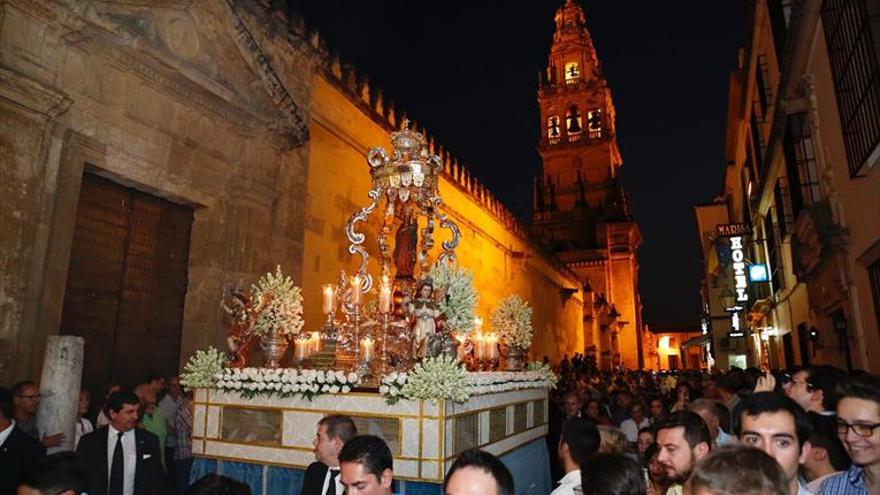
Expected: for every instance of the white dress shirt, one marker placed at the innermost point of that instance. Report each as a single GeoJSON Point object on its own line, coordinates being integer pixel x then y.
{"type": "Point", "coordinates": [129, 456]}
{"type": "Point", "coordinates": [568, 483]}
{"type": "Point", "coordinates": [631, 429]}
{"type": "Point", "coordinates": [339, 487]}
{"type": "Point", "coordinates": [8, 431]}
{"type": "Point", "coordinates": [83, 426]}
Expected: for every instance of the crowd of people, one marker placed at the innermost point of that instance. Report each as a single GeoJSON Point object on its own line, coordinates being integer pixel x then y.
{"type": "Point", "coordinates": [813, 430]}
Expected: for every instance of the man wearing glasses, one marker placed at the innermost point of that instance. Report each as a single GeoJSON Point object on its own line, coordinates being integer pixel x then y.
{"type": "Point", "coordinates": [858, 424]}
{"type": "Point", "coordinates": [26, 398]}
{"type": "Point", "coordinates": [814, 389]}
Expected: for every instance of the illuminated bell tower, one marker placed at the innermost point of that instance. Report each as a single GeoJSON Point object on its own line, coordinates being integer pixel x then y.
{"type": "Point", "coordinates": [580, 207]}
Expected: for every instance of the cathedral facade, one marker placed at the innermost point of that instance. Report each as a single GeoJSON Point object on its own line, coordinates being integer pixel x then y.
{"type": "Point", "coordinates": [581, 212]}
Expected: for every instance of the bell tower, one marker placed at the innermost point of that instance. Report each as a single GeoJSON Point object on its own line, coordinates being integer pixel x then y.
{"type": "Point", "coordinates": [581, 211]}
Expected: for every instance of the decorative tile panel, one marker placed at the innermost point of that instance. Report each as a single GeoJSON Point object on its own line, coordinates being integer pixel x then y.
{"type": "Point", "coordinates": [253, 426]}
{"type": "Point", "coordinates": [497, 424]}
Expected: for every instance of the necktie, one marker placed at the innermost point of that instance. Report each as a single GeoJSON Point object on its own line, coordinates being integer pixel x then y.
{"type": "Point", "coordinates": [331, 487]}
{"type": "Point", "coordinates": [117, 468]}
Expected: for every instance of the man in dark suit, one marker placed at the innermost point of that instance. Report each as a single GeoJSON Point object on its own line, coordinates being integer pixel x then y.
{"type": "Point", "coordinates": [18, 451]}
{"type": "Point", "coordinates": [119, 458]}
{"type": "Point", "coordinates": [322, 477]}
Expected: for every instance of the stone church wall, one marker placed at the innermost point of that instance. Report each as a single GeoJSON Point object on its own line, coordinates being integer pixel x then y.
{"type": "Point", "coordinates": [166, 100]}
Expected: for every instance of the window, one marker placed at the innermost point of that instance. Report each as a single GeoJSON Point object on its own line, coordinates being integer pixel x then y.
{"type": "Point", "coordinates": [764, 91]}
{"type": "Point", "coordinates": [780, 16]}
{"type": "Point", "coordinates": [854, 68]}
{"type": "Point", "coordinates": [572, 72]}
{"type": "Point", "coordinates": [774, 255]}
{"type": "Point", "coordinates": [553, 131]}
{"type": "Point", "coordinates": [784, 218]}
{"type": "Point", "coordinates": [874, 276]}
{"type": "Point", "coordinates": [573, 120]}
{"type": "Point", "coordinates": [800, 159]}
{"type": "Point", "coordinates": [594, 123]}
{"type": "Point", "coordinates": [758, 145]}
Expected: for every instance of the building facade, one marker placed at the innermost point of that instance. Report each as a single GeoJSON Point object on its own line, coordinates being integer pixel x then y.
{"type": "Point", "coordinates": [156, 156]}
{"type": "Point", "coordinates": [581, 212]}
{"type": "Point", "coordinates": [801, 182]}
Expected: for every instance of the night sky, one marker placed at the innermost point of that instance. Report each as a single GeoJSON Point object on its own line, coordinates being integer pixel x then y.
{"type": "Point", "coordinates": [467, 71]}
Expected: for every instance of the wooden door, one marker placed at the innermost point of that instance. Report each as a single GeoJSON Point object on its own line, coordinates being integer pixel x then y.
{"type": "Point", "coordinates": [126, 282]}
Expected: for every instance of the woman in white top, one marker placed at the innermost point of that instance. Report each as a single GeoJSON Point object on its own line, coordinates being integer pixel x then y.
{"type": "Point", "coordinates": [83, 425]}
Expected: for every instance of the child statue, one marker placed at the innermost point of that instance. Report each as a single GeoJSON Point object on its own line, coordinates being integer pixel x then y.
{"type": "Point", "coordinates": [425, 311]}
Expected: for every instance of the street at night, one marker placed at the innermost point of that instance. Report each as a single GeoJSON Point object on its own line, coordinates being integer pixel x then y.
{"type": "Point", "coordinates": [266, 247]}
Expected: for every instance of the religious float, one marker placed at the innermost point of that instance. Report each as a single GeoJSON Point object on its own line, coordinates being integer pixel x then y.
{"type": "Point", "coordinates": [403, 354]}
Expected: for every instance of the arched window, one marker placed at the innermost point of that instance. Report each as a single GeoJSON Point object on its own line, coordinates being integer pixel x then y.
{"type": "Point", "coordinates": [572, 72]}
{"type": "Point", "coordinates": [573, 120]}
{"type": "Point", "coordinates": [553, 127]}
{"type": "Point", "coordinates": [595, 123]}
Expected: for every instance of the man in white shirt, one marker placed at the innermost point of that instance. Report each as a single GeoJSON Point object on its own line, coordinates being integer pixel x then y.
{"type": "Point", "coordinates": [578, 441]}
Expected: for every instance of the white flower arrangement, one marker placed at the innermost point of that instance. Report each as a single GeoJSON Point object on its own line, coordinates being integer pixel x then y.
{"type": "Point", "coordinates": [396, 386]}
{"type": "Point", "coordinates": [460, 302]}
{"type": "Point", "coordinates": [391, 386]}
{"type": "Point", "coordinates": [278, 304]}
{"type": "Point", "coordinates": [490, 382]}
{"type": "Point", "coordinates": [201, 369]}
{"type": "Point", "coordinates": [513, 320]}
{"type": "Point", "coordinates": [435, 378]}
{"type": "Point", "coordinates": [285, 382]}
{"type": "Point", "coordinates": [549, 376]}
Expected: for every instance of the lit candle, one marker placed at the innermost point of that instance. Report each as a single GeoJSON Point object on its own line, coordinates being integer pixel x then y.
{"type": "Point", "coordinates": [480, 347]}
{"type": "Point", "coordinates": [299, 349]}
{"type": "Point", "coordinates": [329, 299]}
{"type": "Point", "coordinates": [316, 342]}
{"type": "Point", "coordinates": [366, 349]}
{"type": "Point", "coordinates": [493, 346]}
{"type": "Point", "coordinates": [385, 296]}
{"type": "Point", "coordinates": [356, 289]}
{"type": "Point", "coordinates": [478, 325]}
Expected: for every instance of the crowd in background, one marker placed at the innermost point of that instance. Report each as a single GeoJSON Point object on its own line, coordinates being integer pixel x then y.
{"type": "Point", "coordinates": [802, 431]}
{"type": "Point", "coordinates": [820, 424]}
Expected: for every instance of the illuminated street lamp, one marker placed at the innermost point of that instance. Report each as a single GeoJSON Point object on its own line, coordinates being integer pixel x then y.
{"type": "Point", "coordinates": [728, 300]}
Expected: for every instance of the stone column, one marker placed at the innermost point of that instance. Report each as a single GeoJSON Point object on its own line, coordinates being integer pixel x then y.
{"type": "Point", "coordinates": [59, 386]}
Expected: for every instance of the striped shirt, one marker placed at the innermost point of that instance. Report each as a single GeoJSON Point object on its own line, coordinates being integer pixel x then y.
{"type": "Point", "coordinates": [851, 482]}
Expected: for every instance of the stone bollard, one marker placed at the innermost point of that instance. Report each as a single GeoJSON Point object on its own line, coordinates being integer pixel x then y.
{"type": "Point", "coordinates": [59, 386]}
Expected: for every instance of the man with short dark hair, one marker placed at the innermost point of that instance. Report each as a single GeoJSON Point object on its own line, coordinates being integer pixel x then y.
{"type": "Point", "coordinates": [322, 476]}
{"type": "Point", "coordinates": [578, 441]}
{"type": "Point", "coordinates": [479, 472]}
{"type": "Point", "coordinates": [18, 450]}
{"type": "Point", "coordinates": [684, 439]}
{"type": "Point", "coordinates": [737, 470]}
{"type": "Point", "coordinates": [215, 484]}
{"type": "Point", "coordinates": [827, 456]}
{"type": "Point", "coordinates": [858, 425]}
{"type": "Point", "coordinates": [775, 424]}
{"type": "Point", "coordinates": [366, 466]}
{"type": "Point", "coordinates": [119, 458]}
{"type": "Point", "coordinates": [58, 474]}
{"type": "Point", "coordinates": [814, 389]}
